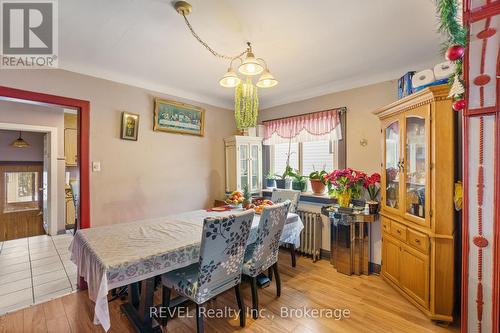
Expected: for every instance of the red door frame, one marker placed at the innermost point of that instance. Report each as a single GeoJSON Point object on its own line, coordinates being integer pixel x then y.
{"type": "Point", "coordinates": [83, 108]}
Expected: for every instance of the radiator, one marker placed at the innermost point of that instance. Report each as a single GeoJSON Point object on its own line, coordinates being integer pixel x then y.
{"type": "Point", "coordinates": [310, 237]}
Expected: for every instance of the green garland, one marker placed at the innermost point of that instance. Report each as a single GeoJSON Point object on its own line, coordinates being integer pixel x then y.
{"type": "Point", "coordinates": [455, 33]}
{"type": "Point", "coordinates": [246, 105]}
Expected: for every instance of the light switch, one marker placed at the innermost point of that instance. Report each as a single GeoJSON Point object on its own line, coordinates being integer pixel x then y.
{"type": "Point", "coordinates": [96, 166]}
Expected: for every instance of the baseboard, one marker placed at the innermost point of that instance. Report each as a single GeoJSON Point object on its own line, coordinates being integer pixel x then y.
{"type": "Point", "coordinates": [325, 254]}
{"type": "Point", "coordinates": [374, 268]}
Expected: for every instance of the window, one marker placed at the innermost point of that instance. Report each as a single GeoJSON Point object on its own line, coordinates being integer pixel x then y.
{"type": "Point", "coordinates": [21, 191]}
{"type": "Point", "coordinates": [305, 157]}
{"type": "Point", "coordinates": [317, 155]}
{"type": "Point", "coordinates": [279, 153]}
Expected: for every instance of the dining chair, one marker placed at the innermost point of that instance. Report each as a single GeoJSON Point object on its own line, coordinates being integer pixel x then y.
{"type": "Point", "coordinates": [280, 195]}
{"type": "Point", "coordinates": [222, 250]}
{"type": "Point", "coordinates": [263, 253]}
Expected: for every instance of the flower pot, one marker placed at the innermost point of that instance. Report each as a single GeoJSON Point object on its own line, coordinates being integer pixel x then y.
{"type": "Point", "coordinates": [283, 183]}
{"type": "Point", "coordinates": [299, 186]}
{"type": "Point", "coordinates": [317, 186]}
{"type": "Point", "coordinates": [373, 206]}
{"type": "Point", "coordinates": [344, 198]}
{"type": "Point", "coordinates": [270, 183]}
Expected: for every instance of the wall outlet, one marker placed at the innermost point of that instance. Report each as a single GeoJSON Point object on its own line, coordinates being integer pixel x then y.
{"type": "Point", "coordinates": [96, 166]}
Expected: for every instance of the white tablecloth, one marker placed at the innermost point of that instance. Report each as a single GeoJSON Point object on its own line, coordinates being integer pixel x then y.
{"type": "Point", "coordinates": [113, 256]}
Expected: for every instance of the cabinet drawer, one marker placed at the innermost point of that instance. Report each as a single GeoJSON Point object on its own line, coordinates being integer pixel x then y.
{"type": "Point", "coordinates": [418, 240]}
{"type": "Point", "coordinates": [386, 225]}
{"type": "Point", "coordinates": [398, 231]}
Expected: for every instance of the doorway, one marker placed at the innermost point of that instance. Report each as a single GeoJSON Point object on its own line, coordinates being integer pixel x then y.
{"type": "Point", "coordinates": [29, 194]}
{"type": "Point", "coordinates": [83, 110]}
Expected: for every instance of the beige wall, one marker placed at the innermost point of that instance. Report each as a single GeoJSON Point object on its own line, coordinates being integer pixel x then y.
{"type": "Point", "coordinates": [361, 124]}
{"type": "Point", "coordinates": [161, 173]}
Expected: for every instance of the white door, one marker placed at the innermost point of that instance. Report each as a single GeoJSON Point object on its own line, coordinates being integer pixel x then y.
{"type": "Point", "coordinates": [45, 182]}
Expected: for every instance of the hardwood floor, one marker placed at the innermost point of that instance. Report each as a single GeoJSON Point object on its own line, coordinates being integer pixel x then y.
{"type": "Point", "coordinates": [374, 307]}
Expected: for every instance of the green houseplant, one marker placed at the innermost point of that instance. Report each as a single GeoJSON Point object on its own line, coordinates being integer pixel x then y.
{"type": "Point", "coordinates": [270, 180]}
{"type": "Point", "coordinates": [283, 180]}
{"type": "Point", "coordinates": [318, 181]}
{"type": "Point", "coordinates": [299, 182]}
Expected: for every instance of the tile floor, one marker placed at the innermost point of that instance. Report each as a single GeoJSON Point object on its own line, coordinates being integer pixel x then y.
{"type": "Point", "coordinates": [34, 270]}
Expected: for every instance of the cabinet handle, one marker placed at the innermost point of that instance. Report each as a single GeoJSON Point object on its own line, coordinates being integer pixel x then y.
{"type": "Point", "coordinates": [398, 231]}
{"type": "Point", "coordinates": [417, 241]}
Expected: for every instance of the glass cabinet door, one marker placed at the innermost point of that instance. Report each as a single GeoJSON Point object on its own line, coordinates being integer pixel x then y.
{"type": "Point", "coordinates": [392, 166]}
{"type": "Point", "coordinates": [254, 160]}
{"type": "Point", "coordinates": [415, 166]}
{"type": "Point", "coordinates": [243, 165]}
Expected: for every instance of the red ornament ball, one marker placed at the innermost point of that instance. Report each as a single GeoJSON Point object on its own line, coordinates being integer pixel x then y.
{"type": "Point", "coordinates": [455, 52]}
{"type": "Point", "coordinates": [459, 105]}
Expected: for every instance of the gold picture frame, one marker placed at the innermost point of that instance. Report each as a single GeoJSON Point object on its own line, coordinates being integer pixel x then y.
{"type": "Point", "coordinates": [130, 126]}
{"type": "Point", "coordinates": [177, 117]}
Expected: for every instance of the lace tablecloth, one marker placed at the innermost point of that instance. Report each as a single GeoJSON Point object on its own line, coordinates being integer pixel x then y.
{"type": "Point", "coordinates": [116, 255]}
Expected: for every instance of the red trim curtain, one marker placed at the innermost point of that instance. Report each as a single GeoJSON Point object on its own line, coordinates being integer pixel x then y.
{"type": "Point", "coordinates": [317, 126]}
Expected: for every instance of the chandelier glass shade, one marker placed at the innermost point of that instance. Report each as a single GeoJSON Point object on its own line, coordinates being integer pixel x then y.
{"type": "Point", "coordinates": [250, 66]}
{"type": "Point", "coordinates": [230, 79]}
{"type": "Point", "coordinates": [266, 80]}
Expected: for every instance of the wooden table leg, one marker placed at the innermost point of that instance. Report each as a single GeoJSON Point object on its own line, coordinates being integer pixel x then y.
{"type": "Point", "coordinates": [138, 313]}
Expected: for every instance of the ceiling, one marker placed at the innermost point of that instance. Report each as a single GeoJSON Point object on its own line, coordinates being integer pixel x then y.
{"type": "Point", "coordinates": [312, 47]}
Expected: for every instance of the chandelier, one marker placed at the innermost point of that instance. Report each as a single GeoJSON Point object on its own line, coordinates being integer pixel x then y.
{"type": "Point", "coordinates": [246, 98]}
{"type": "Point", "coordinates": [20, 142]}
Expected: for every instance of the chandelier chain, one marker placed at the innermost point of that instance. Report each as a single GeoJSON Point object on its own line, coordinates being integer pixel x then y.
{"type": "Point", "coordinates": [215, 53]}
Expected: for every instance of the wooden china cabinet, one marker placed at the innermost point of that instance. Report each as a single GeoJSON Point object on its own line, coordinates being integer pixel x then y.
{"type": "Point", "coordinates": [417, 187]}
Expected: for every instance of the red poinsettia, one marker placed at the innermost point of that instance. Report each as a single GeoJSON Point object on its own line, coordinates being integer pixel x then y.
{"type": "Point", "coordinates": [341, 181]}
{"type": "Point", "coordinates": [370, 184]}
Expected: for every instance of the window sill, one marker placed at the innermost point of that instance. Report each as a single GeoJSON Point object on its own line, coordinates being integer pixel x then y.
{"type": "Point", "coordinates": [308, 197]}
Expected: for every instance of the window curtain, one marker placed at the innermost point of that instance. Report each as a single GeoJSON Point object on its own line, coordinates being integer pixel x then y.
{"type": "Point", "coordinates": [317, 126]}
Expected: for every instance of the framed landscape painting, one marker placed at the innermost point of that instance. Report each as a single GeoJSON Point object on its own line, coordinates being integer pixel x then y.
{"type": "Point", "coordinates": [176, 117]}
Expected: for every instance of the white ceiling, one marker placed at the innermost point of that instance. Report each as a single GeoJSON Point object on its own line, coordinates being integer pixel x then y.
{"type": "Point", "coordinates": [312, 47]}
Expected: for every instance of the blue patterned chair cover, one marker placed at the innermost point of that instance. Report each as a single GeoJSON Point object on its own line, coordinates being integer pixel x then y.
{"type": "Point", "coordinates": [262, 254]}
{"type": "Point", "coordinates": [222, 251]}
{"type": "Point", "coordinates": [279, 195]}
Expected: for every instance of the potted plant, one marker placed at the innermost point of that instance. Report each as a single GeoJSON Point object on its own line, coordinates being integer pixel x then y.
{"type": "Point", "coordinates": [372, 185]}
{"type": "Point", "coordinates": [345, 185]}
{"type": "Point", "coordinates": [299, 182]}
{"type": "Point", "coordinates": [270, 180]}
{"type": "Point", "coordinates": [283, 181]}
{"type": "Point", "coordinates": [318, 181]}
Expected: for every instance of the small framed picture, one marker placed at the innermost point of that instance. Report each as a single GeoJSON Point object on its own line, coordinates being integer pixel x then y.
{"type": "Point", "coordinates": [130, 126]}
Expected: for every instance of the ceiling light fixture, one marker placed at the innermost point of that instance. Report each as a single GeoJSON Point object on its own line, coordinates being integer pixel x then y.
{"type": "Point", "coordinates": [250, 66]}
{"type": "Point", "coordinates": [19, 142]}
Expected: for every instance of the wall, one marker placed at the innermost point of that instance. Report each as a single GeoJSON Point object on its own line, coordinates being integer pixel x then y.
{"type": "Point", "coordinates": [161, 173]}
{"type": "Point", "coordinates": [29, 114]}
{"type": "Point", "coordinates": [33, 153]}
{"type": "Point", "coordinates": [361, 124]}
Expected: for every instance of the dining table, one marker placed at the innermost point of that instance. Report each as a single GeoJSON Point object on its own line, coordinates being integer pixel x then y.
{"type": "Point", "coordinates": [134, 253]}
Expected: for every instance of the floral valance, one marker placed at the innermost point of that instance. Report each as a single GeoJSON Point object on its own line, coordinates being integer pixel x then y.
{"type": "Point", "coordinates": [317, 126]}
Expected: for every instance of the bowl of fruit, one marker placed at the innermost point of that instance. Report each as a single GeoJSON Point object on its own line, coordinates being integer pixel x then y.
{"type": "Point", "coordinates": [235, 199]}
{"type": "Point", "coordinates": [259, 204]}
